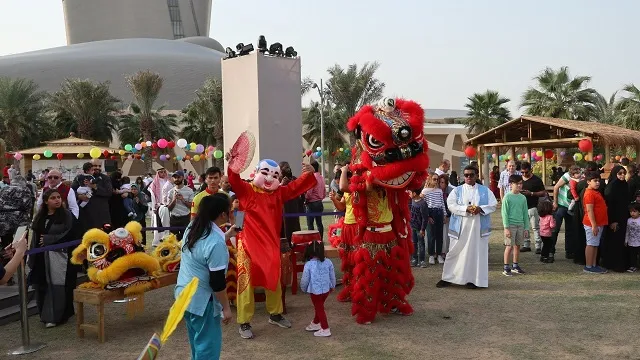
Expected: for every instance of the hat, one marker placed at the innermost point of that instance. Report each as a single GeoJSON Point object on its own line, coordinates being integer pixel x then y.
{"type": "Point", "coordinates": [178, 173]}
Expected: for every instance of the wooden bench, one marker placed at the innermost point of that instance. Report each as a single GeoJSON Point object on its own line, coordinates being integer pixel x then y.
{"type": "Point", "coordinates": [98, 297]}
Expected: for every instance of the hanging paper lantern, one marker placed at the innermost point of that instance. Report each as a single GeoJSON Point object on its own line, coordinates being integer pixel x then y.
{"type": "Point", "coordinates": [94, 153]}
{"type": "Point", "coordinates": [48, 153]}
{"type": "Point", "coordinates": [218, 154]}
{"type": "Point", "coordinates": [196, 158]}
{"type": "Point", "coordinates": [36, 157]}
{"type": "Point", "coordinates": [17, 156]}
{"type": "Point", "coordinates": [585, 145]}
{"type": "Point", "coordinates": [548, 154]}
{"type": "Point", "coordinates": [128, 147]}
{"type": "Point", "coordinates": [577, 156]}
{"type": "Point", "coordinates": [470, 151]}
{"type": "Point", "coordinates": [162, 143]}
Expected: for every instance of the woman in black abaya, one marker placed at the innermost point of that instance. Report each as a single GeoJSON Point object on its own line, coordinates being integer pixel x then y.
{"type": "Point", "coordinates": [613, 251]}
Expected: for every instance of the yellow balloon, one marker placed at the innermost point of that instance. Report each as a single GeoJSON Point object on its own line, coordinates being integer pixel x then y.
{"type": "Point", "coordinates": [36, 157]}
{"type": "Point", "coordinates": [341, 149]}
{"type": "Point", "coordinates": [95, 153]}
{"type": "Point", "coordinates": [192, 146]}
{"type": "Point", "coordinates": [539, 153]}
{"type": "Point", "coordinates": [80, 155]}
{"type": "Point", "coordinates": [196, 158]}
{"type": "Point", "coordinates": [121, 152]}
{"type": "Point", "coordinates": [587, 157]}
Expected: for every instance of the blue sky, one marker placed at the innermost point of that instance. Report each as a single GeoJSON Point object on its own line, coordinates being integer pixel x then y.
{"type": "Point", "coordinates": [435, 52]}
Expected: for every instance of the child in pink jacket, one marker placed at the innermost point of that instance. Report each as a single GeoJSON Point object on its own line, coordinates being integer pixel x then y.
{"type": "Point", "coordinates": [547, 224]}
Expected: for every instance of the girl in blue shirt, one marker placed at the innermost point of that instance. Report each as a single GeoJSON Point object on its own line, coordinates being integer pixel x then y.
{"type": "Point", "coordinates": [205, 256]}
{"type": "Point", "coordinates": [318, 279]}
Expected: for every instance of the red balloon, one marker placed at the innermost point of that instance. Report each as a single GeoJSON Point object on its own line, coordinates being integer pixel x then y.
{"type": "Point", "coordinates": [171, 144]}
{"type": "Point", "coordinates": [548, 154]}
{"type": "Point", "coordinates": [308, 152]}
{"type": "Point", "coordinates": [8, 155]}
{"type": "Point", "coordinates": [105, 153]}
{"type": "Point", "coordinates": [154, 146]}
{"type": "Point", "coordinates": [113, 157]}
{"type": "Point", "coordinates": [470, 151]}
{"type": "Point", "coordinates": [59, 156]}
{"type": "Point", "coordinates": [585, 145]}
{"type": "Point", "coordinates": [138, 156]}
{"type": "Point", "coordinates": [153, 154]}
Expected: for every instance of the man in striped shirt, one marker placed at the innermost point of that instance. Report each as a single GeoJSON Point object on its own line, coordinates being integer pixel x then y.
{"type": "Point", "coordinates": [503, 183]}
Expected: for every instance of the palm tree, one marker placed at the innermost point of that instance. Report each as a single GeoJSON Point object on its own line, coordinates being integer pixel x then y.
{"type": "Point", "coordinates": [84, 107]}
{"type": "Point", "coordinates": [351, 88]}
{"type": "Point", "coordinates": [560, 96]}
{"type": "Point", "coordinates": [21, 107]}
{"type": "Point", "coordinates": [334, 129]}
{"type": "Point", "coordinates": [629, 108]}
{"type": "Point", "coordinates": [203, 117]}
{"type": "Point", "coordinates": [129, 126]}
{"type": "Point", "coordinates": [486, 111]}
{"type": "Point", "coordinates": [145, 86]}
{"type": "Point", "coordinates": [605, 111]}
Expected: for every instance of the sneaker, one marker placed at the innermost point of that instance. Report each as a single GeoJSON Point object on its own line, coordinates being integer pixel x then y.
{"type": "Point", "coordinates": [280, 321]}
{"type": "Point", "coordinates": [632, 269]}
{"type": "Point", "coordinates": [569, 256]}
{"type": "Point", "coordinates": [50, 325]}
{"type": "Point", "coordinates": [245, 331]}
{"type": "Point", "coordinates": [132, 215]}
{"type": "Point", "coordinates": [517, 270]}
{"type": "Point", "coordinates": [423, 264]}
{"type": "Point", "coordinates": [525, 249]}
{"type": "Point", "coordinates": [414, 262]}
{"type": "Point", "coordinates": [440, 259]}
{"type": "Point", "coordinates": [322, 333]}
{"type": "Point", "coordinates": [598, 270]}
{"type": "Point", "coordinates": [538, 251]}
{"type": "Point", "coordinates": [550, 260]}
{"type": "Point", "coordinates": [313, 327]}
{"type": "Point", "coordinates": [507, 272]}
{"type": "Point", "coordinates": [432, 260]}
{"type": "Point", "coordinates": [543, 259]}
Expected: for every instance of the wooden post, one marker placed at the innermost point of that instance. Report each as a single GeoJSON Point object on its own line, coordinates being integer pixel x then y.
{"type": "Point", "coordinates": [529, 155]}
{"type": "Point", "coordinates": [607, 153]}
{"type": "Point", "coordinates": [480, 161]}
{"type": "Point", "coordinates": [544, 168]}
{"type": "Point", "coordinates": [513, 153]}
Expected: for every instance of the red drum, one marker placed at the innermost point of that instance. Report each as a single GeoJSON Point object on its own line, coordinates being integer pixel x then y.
{"type": "Point", "coordinates": [304, 237]}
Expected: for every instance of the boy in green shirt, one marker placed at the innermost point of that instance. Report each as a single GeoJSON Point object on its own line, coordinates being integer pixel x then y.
{"type": "Point", "coordinates": [515, 218]}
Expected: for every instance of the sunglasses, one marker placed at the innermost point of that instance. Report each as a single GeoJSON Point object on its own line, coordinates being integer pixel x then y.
{"type": "Point", "coordinates": [467, 175]}
{"type": "Point", "coordinates": [622, 173]}
{"type": "Point", "coordinates": [53, 177]}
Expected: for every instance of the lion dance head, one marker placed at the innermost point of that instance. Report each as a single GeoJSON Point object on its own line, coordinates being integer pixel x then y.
{"type": "Point", "coordinates": [390, 152]}
{"type": "Point", "coordinates": [168, 254]}
{"type": "Point", "coordinates": [117, 260]}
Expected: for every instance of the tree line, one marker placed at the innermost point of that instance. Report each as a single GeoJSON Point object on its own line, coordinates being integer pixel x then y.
{"type": "Point", "coordinates": [557, 94]}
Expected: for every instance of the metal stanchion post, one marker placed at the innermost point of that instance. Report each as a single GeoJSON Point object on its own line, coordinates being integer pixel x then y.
{"type": "Point", "coordinates": [27, 347]}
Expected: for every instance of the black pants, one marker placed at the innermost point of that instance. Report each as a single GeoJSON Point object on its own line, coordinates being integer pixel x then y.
{"type": "Point", "coordinates": [315, 207]}
{"type": "Point", "coordinates": [547, 243]}
{"type": "Point", "coordinates": [633, 252]}
{"type": "Point", "coordinates": [434, 240]}
{"type": "Point", "coordinates": [179, 221]}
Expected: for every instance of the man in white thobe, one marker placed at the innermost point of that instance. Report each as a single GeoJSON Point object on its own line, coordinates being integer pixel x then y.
{"type": "Point", "coordinates": [467, 262]}
{"type": "Point", "coordinates": [159, 189]}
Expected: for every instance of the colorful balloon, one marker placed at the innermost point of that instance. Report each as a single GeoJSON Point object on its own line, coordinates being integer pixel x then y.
{"type": "Point", "coordinates": [470, 151]}
{"type": "Point", "coordinates": [548, 154]}
{"type": "Point", "coordinates": [179, 158]}
{"type": "Point", "coordinates": [181, 143]}
{"type": "Point", "coordinates": [577, 156]}
{"type": "Point", "coordinates": [148, 143]}
{"type": "Point", "coordinates": [128, 147]}
{"type": "Point", "coordinates": [138, 147]}
{"type": "Point", "coordinates": [196, 158]}
{"type": "Point", "coordinates": [218, 154]}
{"type": "Point", "coordinates": [80, 156]}
{"type": "Point", "coordinates": [199, 148]}
{"type": "Point", "coordinates": [36, 157]}
{"type": "Point", "coordinates": [48, 153]}
{"type": "Point", "coordinates": [585, 145]}
{"type": "Point", "coordinates": [59, 156]}
{"type": "Point", "coordinates": [94, 153]}
{"type": "Point", "coordinates": [162, 143]}
{"type": "Point", "coordinates": [121, 152]}
{"type": "Point", "coordinates": [17, 156]}
{"type": "Point", "coordinates": [171, 144]}
{"type": "Point", "coordinates": [163, 157]}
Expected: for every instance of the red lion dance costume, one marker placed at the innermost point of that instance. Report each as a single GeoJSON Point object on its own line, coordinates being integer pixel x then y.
{"type": "Point", "coordinates": [389, 157]}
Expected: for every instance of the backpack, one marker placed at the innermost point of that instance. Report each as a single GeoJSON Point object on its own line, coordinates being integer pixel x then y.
{"type": "Point", "coordinates": [16, 205]}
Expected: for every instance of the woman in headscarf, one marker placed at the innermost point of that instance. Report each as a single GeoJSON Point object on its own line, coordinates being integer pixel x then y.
{"type": "Point", "coordinates": [116, 205]}
{"type": "Point", "coordinates": [616, 194]}
{"type": "Point", "coordinates": [52, 275]}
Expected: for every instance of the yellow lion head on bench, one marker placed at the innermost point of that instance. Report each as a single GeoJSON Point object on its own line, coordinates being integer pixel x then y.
{"type": "Point", "coordinates": [117, 259]}
{"type": "Point", "coordinates": [168, 253]}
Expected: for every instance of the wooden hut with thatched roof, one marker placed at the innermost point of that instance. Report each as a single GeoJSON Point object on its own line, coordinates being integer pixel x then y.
{"type": "Point", "coordinates": [551, 133]}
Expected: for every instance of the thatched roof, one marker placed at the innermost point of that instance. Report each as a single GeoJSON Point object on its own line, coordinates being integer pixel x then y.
{"type": "Point", "coordinates": [552, 132]}
{"type": "Point", "coordinates": [70, 145]}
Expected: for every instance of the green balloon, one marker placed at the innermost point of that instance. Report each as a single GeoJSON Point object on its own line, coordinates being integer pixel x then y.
{"type": "Point", "coordinates": [48, 153]}
{"type": "Point", "coordinates": [217, 154]}
{"type": "Point", "coordinates": [128, 147]}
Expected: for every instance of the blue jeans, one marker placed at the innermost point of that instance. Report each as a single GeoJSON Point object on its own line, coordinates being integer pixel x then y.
{"type": "Point", "coordinates": [418, 246]}
{"type": "Point", "coordinates": [562, 213]}
{"type": "Point", "coordinates": [129, 205]}
{"type": "Point", "coordinates": [315, 207]}
{"type": "Point", "coordinates": [205, 334]}
{"type": "Point", "coordinates": [435, 233]}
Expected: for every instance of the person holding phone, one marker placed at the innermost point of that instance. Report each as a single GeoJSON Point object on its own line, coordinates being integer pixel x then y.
{"type": "Point", "coordinates": [14, 253]}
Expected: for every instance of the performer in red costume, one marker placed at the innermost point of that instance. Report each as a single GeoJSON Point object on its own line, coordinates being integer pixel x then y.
{"type": "Point", "coordinates": [390, 156]}
{"type": "Point", "coordinates": [258, 257]}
